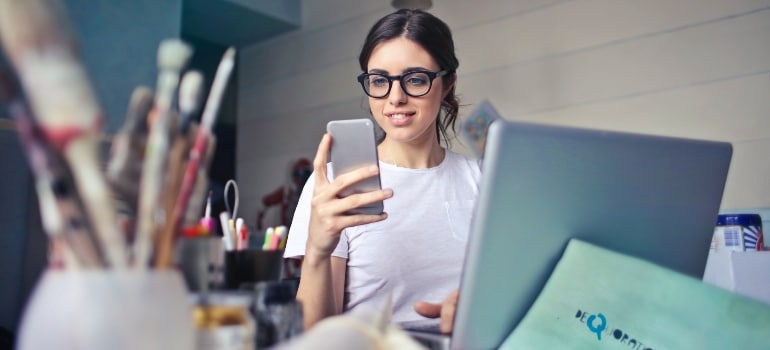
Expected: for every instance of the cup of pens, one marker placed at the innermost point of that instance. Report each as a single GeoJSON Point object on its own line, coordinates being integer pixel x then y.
{"type": "Point", "coordinates": [249, 265]}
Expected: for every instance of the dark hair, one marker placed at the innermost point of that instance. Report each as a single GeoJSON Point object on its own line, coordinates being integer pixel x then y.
{"type": "Point", "coordinates": [435, 37]}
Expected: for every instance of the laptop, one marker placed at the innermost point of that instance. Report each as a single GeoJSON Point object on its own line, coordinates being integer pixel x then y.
{"type": "Point", "coordinates": [652, 197]}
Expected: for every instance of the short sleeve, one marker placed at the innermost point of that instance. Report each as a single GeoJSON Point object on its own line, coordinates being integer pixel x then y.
{"type": "Point", "coordinates": [342, 247]}
{"type": "Point", "coordinates": [297, 238]}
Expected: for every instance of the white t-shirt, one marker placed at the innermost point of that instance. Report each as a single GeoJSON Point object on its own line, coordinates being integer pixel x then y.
{"type": "Point", "coordinates": [417, 252]}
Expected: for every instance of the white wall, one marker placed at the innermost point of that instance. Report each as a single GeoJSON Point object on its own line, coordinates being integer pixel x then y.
{"type": "Point", "coordinates": [690, 68]}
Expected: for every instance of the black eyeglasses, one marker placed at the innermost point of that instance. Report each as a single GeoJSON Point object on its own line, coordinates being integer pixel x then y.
{"type": "Point", "coordinates": [415, 83]}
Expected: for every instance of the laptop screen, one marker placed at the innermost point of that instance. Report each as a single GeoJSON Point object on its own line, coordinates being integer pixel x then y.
{"type": "Point", "coordinates": [653, 197]}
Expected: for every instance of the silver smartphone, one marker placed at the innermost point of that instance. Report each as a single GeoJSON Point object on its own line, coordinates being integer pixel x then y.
{"type": "Point", "coordinates": [353, 147]}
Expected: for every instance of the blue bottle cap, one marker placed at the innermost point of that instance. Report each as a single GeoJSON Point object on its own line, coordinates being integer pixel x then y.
{"type": "Point", "coordinates": [739, 220]}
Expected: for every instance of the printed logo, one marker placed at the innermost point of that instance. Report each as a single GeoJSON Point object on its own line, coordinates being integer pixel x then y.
{"type": "Point", "coordinates": [597, 329]}
{"type": "Point", "coordinates": [597, 324]}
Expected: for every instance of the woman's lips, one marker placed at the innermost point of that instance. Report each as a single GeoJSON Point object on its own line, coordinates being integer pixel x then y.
{"type": "Point", "coordinates": [400, 119]}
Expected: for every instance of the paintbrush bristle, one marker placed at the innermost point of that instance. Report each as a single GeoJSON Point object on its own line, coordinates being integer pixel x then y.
{"type": "Point", "coordinates": [37, 39]}
{"type": "Point", "coordinates": [190, 91]}
{"type": "Point", "coordinates": [32, 25]}
{"type": "Point", "coordinates": [173, 54]}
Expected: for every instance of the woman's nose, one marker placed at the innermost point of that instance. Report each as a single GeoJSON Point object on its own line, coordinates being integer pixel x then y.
{"type": "Point", "coordinates": [397, 95]}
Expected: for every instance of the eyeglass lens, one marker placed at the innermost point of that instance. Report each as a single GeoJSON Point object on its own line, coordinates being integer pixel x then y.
{"type": "Point", "coordinates": [414, 84]}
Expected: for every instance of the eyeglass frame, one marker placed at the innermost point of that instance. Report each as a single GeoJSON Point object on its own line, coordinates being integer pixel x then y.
{"type": "Point", "coordinates": [431, 77]}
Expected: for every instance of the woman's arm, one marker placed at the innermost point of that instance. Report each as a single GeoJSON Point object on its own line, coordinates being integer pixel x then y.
{"type": "Point", "coordinates": [322, 284]}
{"type": "Point", "coordinates": [321, 288]}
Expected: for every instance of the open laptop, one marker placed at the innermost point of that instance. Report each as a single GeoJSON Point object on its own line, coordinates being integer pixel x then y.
{"type": "Point", "coordinates": [653, 197]}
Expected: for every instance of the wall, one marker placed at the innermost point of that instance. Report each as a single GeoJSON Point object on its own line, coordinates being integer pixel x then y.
{"type": "Point", "coordinates": [690, 68]}
{"type": "Point", "coordinates": [119, 41]}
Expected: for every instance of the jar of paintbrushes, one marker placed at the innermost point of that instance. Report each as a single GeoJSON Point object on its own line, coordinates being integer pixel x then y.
{"type": "Point", "coordinates": [113, 284]}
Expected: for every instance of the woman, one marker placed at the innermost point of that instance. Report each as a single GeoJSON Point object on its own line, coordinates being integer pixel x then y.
{"type": "Point", "coordinates": [413, 251]}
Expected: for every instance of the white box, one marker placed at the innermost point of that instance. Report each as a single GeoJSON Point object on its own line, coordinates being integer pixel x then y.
{"type": "Point", "coordinates": [746, 273]}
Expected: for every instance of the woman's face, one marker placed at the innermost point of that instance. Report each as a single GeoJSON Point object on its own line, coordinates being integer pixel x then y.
{"type": "Point", "coordinates": [405, 118]}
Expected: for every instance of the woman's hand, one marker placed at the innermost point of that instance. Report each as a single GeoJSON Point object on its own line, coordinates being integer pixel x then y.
{"type": "Point", "coordinates": [445, 310]}
{"type": "Point", "coordinates": [327, 210]}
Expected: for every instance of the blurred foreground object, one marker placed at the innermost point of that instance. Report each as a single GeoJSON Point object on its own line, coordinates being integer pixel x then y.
{"type": "Point", "coordinates": [39, 43]}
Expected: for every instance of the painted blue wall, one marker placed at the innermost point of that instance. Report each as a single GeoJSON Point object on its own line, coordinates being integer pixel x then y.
{"type": "Point", "coordinates": [119, 40]}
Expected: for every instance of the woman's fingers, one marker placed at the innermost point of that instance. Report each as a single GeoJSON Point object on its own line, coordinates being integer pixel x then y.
{"type": "Point", "coordinates": [335, 210]}
{"type": "Point", "coordinates": [344, 181]}
{"type": "Point", "coordinates": [328, 211]}
{"type": "Point", "coordinates": [426, 309]}
{"type": "Point", "coordinates": [342, 206]}
{"type": "Point", "coordinates": [359, 200]}
{"type": "Point", "coordinates": [320, 160]}
{"type": "Point", "coordinates": [445, 310]}
{"type": "Point", "coordinates": [341, 181]}
{"type": "Point", "coordinates": [361, 219]}
{"type": "Point", "coordinates": [448, 308]}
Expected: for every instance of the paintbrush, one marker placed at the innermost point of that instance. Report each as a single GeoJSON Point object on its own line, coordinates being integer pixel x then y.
{"type": "Point", "coordinates": [190, 101]}
{"type": "Point", "coordinates": [190, 92]}
{"type": "Point", "coordinates": [190, 98]}
{"type": "Point", "coordinates": [195, 202]}
{"type": "Point", "coordinates": [40, 45]}
{"type": "Point", "coordinates": [60, 212]}
{"type": "Point", "coordinates": [124, 169]}
{"type": "Point", "coordinates": [198, 197]}
{"type": "Point", "coordinates": [198, 151]}
{"type": "Point", "coordinates": [173, 55]}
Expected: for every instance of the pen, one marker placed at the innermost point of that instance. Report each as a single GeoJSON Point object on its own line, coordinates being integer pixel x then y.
{"type": "Point", "coordinates": [268, 237]}
{"type": "Point", "coordinates": [207, 221]}
{"type": "Point", "coordinates": [246, 236]}
{"type": "Point", "coordinates": [224, 220]}
{"type": "Point", "coordinates": [284, 236]}
{"type": "Point", "coordinates": [238, 234]}
{"type": "Point", "coordinates": [278, 235]}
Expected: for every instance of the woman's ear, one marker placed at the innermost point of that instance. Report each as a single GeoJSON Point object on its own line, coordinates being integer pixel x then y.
{"type": "Point", "coordinates": [450, 85]}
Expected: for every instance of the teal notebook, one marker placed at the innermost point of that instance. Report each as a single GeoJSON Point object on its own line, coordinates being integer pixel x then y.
{"type": "Point", "coordinates": [600, 299]}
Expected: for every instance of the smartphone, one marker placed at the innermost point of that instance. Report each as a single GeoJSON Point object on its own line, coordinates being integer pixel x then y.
{"type": "Point", "coordinates": [353, 147]}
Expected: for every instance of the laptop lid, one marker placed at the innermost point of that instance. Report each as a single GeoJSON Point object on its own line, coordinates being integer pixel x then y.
{"type": "Point", "coordinates": [653, 197]}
